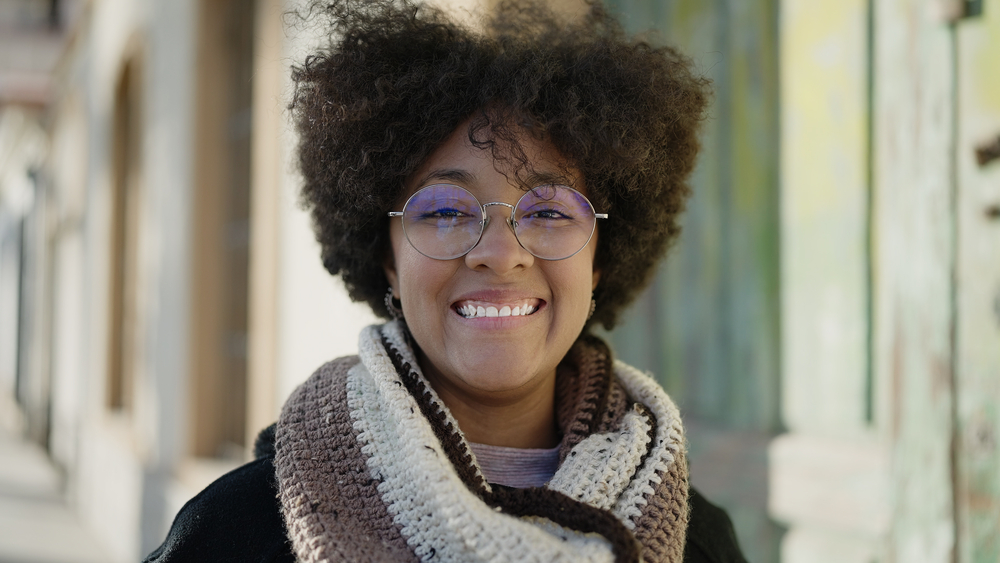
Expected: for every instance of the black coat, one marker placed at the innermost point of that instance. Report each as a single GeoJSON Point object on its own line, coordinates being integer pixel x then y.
{"type": "Point", "coordinates": [238, 519]}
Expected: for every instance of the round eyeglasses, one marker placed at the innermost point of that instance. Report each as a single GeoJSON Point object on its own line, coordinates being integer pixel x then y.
{"type": "Point", "coordinates": [552, 222]}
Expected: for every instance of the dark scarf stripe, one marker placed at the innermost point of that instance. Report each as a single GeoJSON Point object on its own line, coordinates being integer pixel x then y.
{"type": "Point", "coordinates": [602, 383]}
{"type": "Point", "coordinates": [651, 419]}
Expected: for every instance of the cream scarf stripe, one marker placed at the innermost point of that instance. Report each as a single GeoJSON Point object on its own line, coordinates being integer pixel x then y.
{"type": "Point", "coordinates": [668, 446]}
{"type": "Point", "coordinates": [440, 518]}
{"type": "Point", "coordinates": [397, 336]}
{"type": "Point", "coordinates": [601, 466]}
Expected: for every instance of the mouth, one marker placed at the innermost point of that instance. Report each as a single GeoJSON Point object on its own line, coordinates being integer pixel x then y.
{"type": "Point", "coordinates": [480, 309]}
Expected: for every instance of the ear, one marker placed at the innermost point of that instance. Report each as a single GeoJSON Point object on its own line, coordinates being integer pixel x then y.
{"type": "Point", "coordinates": [389, 267]}
{"type": "Point", "coordinates": [597, 278]}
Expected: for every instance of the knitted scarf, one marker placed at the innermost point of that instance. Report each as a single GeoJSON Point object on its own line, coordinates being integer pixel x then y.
{"type": "Point", "coordinates": [372, 466]}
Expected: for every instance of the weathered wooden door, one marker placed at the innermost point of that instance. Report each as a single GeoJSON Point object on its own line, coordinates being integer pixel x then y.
{"type": "Point", "coordinates": [917, 284]}
{"type": "Point", "coordinates": [977, 303]}
{"type": "Point", "coordinates": [937, 261]}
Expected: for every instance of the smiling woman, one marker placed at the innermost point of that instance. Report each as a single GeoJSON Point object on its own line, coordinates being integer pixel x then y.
{"type": "Point", "coordinates": [496, 374]}
{"type": "Point", "coordinates": [493, 192]}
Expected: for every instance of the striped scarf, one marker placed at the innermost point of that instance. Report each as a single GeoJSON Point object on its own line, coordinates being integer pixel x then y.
{"type": "Point", "coordinates": [372, 466]}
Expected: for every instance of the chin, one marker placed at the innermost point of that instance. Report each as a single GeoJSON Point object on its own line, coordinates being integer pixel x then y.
{"type": "Point", "coordinates": [489, 379]}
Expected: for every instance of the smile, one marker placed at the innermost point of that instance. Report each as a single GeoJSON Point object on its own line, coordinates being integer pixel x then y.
{"type": "Point", "coordinates": [475, 310]}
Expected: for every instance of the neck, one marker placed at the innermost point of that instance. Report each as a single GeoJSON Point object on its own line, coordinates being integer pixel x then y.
{"type": "Point", "coordinates": [520, 418]}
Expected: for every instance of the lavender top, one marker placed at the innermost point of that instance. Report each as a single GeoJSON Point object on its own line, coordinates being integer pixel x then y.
{"type": "Point", "coordinates": [516, 467]}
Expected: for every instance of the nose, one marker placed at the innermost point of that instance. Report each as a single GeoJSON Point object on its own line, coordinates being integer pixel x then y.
{"type": "Point", "coordinates": [498, 248]}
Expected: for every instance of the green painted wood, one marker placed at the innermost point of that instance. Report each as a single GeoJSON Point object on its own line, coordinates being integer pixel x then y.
{"type": "Point", "coordinates": [708, 325]}
{"type": "Point", "coordinates": [675, 329]}
{"type": "Point", "coordinates": [752, 281]}
{"type": "Point", "coordinates": [978, 291]}
{"type": "Point", "coordinates": [914, 98]}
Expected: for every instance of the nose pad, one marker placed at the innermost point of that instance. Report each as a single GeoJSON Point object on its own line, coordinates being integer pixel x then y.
{"type": "Point", "coordinates": [509, 221]}
{"type": "Point", "coordinates": [488, 252]}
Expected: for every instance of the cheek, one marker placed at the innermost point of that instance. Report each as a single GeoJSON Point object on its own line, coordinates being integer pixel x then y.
{"type": "Point", "coordinates": [574, 281]}
{"type": "Point", "coordinates": [418, 280]}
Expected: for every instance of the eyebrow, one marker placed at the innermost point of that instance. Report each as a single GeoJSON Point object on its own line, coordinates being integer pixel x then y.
{"type": "Point", "coordinates": [533, 179]}
{"type": "Point", "coordinates": [452, 174]}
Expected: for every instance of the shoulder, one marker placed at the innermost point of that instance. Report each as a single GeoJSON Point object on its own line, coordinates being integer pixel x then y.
{"type": "Point", "coordinates": [236, 518]}
{"type": "Point", "coordinates": [710, 534]}
{"type": "Point", "coordinates": [325, 377]}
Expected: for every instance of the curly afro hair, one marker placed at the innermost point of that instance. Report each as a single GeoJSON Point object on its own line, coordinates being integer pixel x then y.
{"type": "Point", "coordinates": [395, 79]}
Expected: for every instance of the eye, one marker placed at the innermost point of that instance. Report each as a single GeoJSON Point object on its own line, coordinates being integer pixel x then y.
{"type": "Point", "coordinates": [547, 213]}
{"type": "Point", "coordinates": [443, 213]}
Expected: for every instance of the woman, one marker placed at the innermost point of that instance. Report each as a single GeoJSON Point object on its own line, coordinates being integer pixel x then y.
{"type": "Point", "coordinates": [494, 193]}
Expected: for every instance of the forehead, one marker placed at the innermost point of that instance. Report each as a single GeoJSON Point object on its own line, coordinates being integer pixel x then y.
{"type": "Point", "coordinates": [523, 162]}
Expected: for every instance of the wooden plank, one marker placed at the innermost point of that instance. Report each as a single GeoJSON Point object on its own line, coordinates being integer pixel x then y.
{"type": "Point", "coordinates": [978, 291]}
{"type": "Point", "coordinates": [754, 215]}
{"type": "Point", "coordinates": [824, 93]}
{"type": "Point", "coordinates": [829, 474]}
{"type": "Point", "coordinates": [914, 254]}
{"type": "Point", "coordinates": [690, 292]}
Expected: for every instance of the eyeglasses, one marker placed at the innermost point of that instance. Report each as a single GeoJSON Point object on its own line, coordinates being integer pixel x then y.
{"type": "Point", "coordinates": [552, 222]}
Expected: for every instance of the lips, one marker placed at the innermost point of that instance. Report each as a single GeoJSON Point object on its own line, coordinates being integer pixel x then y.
{"type": "Point", "coordinates": [470, 309]}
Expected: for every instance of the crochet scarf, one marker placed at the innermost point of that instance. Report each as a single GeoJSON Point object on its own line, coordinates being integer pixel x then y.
{"type": "Point", "coordinates": [372, 466]}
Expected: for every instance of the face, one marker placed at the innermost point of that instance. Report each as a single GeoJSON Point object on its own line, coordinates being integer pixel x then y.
{"type": "Point", "coordinates": [487, 358]}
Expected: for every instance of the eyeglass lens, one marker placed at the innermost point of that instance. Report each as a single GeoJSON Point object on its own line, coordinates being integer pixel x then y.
{"type": "Point", "coordinates": [443, 221]}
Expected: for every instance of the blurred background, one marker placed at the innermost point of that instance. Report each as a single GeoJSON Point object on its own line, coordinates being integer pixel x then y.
{"type": "Point", "coordinates": [829, 322]}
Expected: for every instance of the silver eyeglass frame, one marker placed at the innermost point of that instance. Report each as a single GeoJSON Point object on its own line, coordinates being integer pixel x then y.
{"type": "Point", "coordinates": [485, 222]}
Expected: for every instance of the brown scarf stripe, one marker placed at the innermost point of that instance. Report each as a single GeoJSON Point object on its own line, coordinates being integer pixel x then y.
{"type": "Point", "coordinates": [618, 404]}
{"type": "Point", "coordinates": [667, 502]}
{"type": "Point", "coordinates": [666, 509]}
{"type": "Point", "coordinates": [536, 501]}
{"type": "Point", "coordinates": [590, 355]}
{"type": "Point", "coordinates": [603, 359]}
{"type": "Point", "coordinates": [316, 445]}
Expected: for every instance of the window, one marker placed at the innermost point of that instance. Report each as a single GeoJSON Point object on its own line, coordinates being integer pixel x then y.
{"type": "Point", "coordinates": [125, 338]}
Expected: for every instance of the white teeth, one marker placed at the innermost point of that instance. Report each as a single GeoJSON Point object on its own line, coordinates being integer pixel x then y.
{"type": "Point", "coordinates": [475, 312]}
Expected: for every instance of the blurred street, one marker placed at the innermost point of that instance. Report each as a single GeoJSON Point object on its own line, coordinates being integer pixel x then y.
{"type": "Point", "coordinates": [36, 525]}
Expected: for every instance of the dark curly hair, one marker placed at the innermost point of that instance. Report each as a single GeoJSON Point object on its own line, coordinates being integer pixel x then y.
{"type": "Point", "coordinates": [395, 79]}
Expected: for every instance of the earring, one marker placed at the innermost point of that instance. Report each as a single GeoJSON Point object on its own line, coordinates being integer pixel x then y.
{"type": "Point", "coordinates": [593, 306]}
{"type": "Point", "coordinates": [395, 311]}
